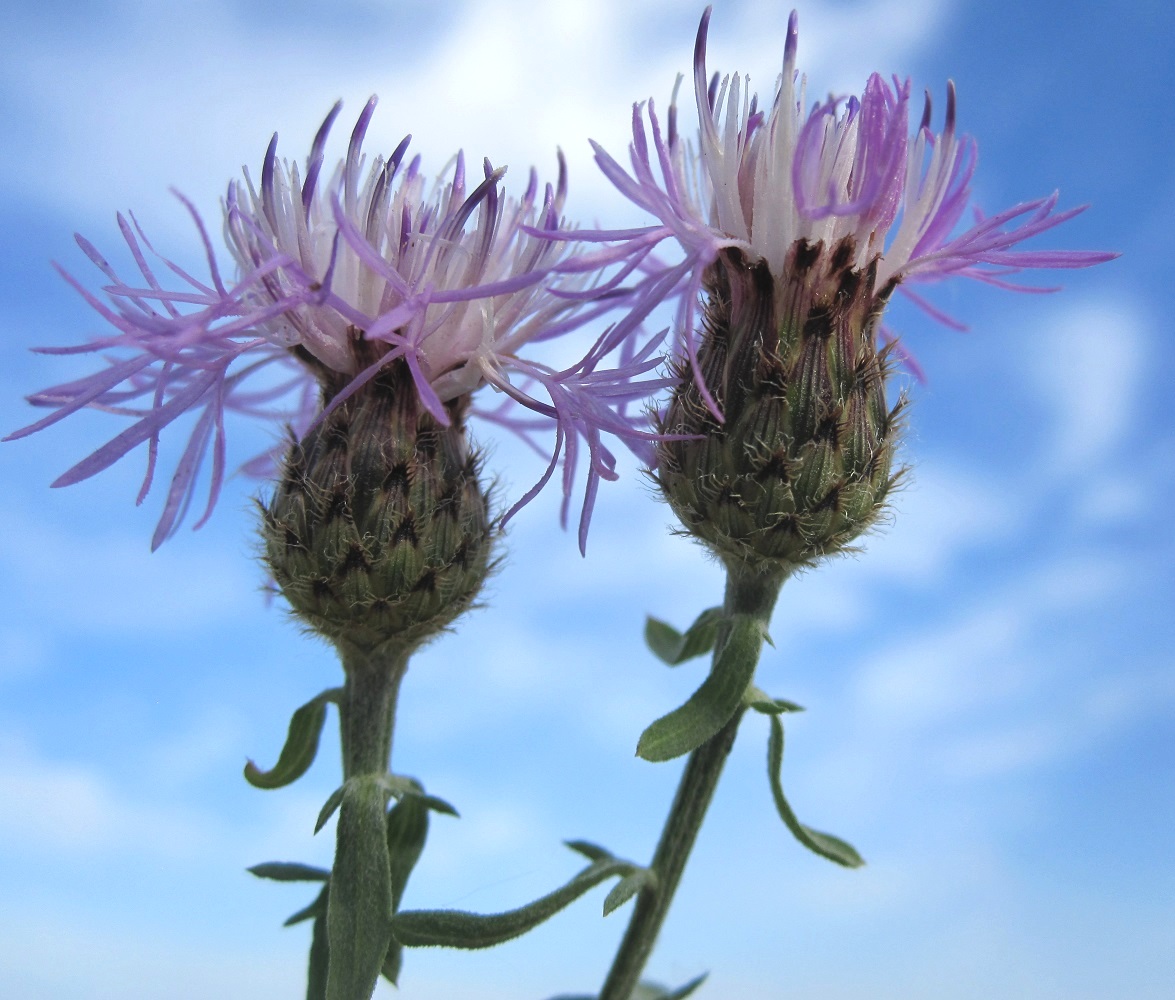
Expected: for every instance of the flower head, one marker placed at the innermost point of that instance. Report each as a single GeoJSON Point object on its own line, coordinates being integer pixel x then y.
{"type": "Point", "coordinates": [337, 281]}
{"type": "Point", "coordinates": [845, 172]}
{"type": "Point", "coordinates": [796, 227]}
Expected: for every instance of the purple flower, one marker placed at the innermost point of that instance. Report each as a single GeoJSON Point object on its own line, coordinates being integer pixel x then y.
{"type": "Point", "coordinates": [453, 283]}
{"type": "Point", "coordinates": [847, 172]}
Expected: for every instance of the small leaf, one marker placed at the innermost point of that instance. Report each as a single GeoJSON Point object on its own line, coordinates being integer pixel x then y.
{"type": "Point", "coordinates": [593, 852]}
{"type": "Point", "coordinates": [289, 871]}
{"type": "Point", "coordinates": [673, 648]}
{"type": "Point", "coordinates": [824, 844]}
{"type": "Point", "coordinates": [629, 886]}
{"type": "Point", "coordinates": [329, 807]}
{"type": "Point", "coordinates": [319, 965]}
{"type": "Point", "coordinates": [359, 907]}
{"type": "Point", "coordinates": [764, 703]}
{"type": "Point", "coordinates": [393, 962]}
{"type": "Point", "coordinates": [438, 805]}
{"type": "Point", "coordinates": [396, 786]}
{"type": "Point", "coordinates": [654, 991]}
{"type": "Point", "coordinates": [300, 747]}
{"type": "Point", "coordinates": [406, 833]}
{"type": "Point", "coordinates": [317, 908]}
{"type": "Point", "coordinates": [715, 702]}
{"type": "Point", "coordinates": [458, 929]}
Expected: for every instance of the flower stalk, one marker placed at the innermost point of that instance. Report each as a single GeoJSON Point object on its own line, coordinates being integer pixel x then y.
{"type": "Point", "coordinates": [753, 595]}
{"type": "Point", "coordinates": [360, 900]}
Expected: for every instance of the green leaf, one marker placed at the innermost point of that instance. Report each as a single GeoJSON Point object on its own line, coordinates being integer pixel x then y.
{"type": "Point", "coordinates": [393, 962]}
{"type": "Point", "coordinates": [289, 871]}
{"type": "Point", "coordinates": [438, 805]}
{"type": "Point", "coordinates": [764, 703]}
{"type": "Point", "coordinates": [629, 886]}
{"type": "Point", "coordinates": [407, 831]}
{"type": "Point", "coordinates": [329, 806]}
{"type": "Point", "coordinates": [715, 702]}
{"type": "Point", "coordinates": [315, 909]}
{"type": "Point", "coordinates": [359, 909]}
{"type": "Point", "coordinates": [593, 852]}
{"type": "Point", "coordinates": [671, 647]}
{"type": "Point", "coordinates": [653, 991]}
{"type": "Point", "coordinates": [301, 745]}
{"type": "Point", "coordinates": [458, 929]}
{"type": "Point", "coordinates": [319, 964]}
{"type": "Point", "coordinates": [824, 844]}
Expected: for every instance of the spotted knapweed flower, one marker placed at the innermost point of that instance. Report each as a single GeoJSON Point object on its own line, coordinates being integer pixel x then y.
{"type": "Point", "coordinates": [797, 226]}
{"type": "Point", "coordinates": [370, 277]}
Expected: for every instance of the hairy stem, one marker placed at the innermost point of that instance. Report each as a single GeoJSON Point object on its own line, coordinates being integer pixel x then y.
{"type": "Point", "coordinates": [359, 908]}
{"type": "Point", "coordinates": [746, 594]}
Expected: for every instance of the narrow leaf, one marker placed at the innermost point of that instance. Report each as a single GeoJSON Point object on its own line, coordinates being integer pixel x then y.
{"type": "Point", "coordinates": [629, 886]}
{"type": "Point", "coordinates": [458, 929]}
{"type": "Point", "coordinates": [715, 702]}
{"type": "Point", "coordinates": [407, 830]}
{"type": "Point", "coordinates": [438, 805]}
{"type": "Point", "coordinates": [300, 747]}
{"type": "Point", "coordinates": [329, 807]}
{"type": "Point", "coordinates": [289, 871]}
{"type": "Point", "coordinates": [359, 910]}
{"type": "Point", "coordinates": [764, 703]}
{"type": "Point", "coordinates": [593, 852]}
{"type": "Point", "coordinates": [824, 844]}
{"type": "Point", "coordinates": [647, 990]}
{"type": "Point", "coordinates": [673, 648]}
{"type": "Point", "coordinates": [315, 909]}
{"type": "Point", "coordinates": [393, 962]}
{"type": "Point", "coordinates": [684, 991]}
{"type": "Point", "coordinates": [319, 964]}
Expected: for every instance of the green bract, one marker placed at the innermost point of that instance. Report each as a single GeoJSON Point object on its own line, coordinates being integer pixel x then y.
{"type": "Point", "coordinates": [379, 530]}
{"type": "Point", "coordinates": [801, 462]}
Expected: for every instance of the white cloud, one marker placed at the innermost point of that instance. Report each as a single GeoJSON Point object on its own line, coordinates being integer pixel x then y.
{"type": "Point", "coordinates": [1088, 365]}
{"type": "Point", "coordinates": [127, 587]}
{"type": "Point", "coordinates": [111, 126]}
{"type": "Point", "coordinates": [52, 806]}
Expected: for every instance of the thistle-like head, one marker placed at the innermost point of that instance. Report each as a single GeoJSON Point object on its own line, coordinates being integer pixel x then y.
{"type": "Point", "coordinates": [797, 225]}
{"type": "Point", "coordinates": [378, 532]}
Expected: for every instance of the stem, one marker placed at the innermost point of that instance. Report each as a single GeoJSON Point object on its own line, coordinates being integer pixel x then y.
{"type": "Point", "coordinates": [748, 594]}
{"type": "Point", "coordinates": [368, 710]}
{"type": "Point", "coordinates": [359, 907]}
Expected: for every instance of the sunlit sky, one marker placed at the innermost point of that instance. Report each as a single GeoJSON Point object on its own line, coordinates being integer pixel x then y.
{"type": "Point", "coordinates": [990, 686]}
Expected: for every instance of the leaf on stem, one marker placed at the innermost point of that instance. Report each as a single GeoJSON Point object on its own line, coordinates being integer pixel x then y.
{"type": "Point", "coordinates": [329, 807]}
{"type": "Point", "coordinates": [715, 702]}
{"type": "Point", "coordinates": [652, 991]}
{"type": "Point", "coordinates": [300, 747]}
{"type": "Point", "coordinates": [458, 929]}
{"type": "Point", "coordinates": [824, 844]}
{"type": "Point", "coordinates": [289, 871]}
{"type": "Point", "coordinates": [316, 973]}
{"type": "Point", "coordinates": [762, 702]}
{"type": "Point", "coordinates": [315, 909]}
{"type": "Point", "coordinates": [359, 910]}
{"type": "Point", "coordinates": [406, 834]}
{"type": "Point", "coordinates": [629, 886]}
{"type": "Point", "coordinates": [673, 648]}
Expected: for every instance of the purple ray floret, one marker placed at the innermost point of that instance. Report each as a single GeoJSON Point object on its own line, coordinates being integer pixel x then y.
{"type": "Point", "coordinates": [453, 283]}
{"type": "Point", "coordinates": [763, 180]}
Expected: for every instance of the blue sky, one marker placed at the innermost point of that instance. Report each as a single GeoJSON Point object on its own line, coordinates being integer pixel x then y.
{"type": "Point", "coordinates": [990, 685]}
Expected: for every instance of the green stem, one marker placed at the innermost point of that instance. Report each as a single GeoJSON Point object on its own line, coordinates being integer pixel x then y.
{"type": "Point", "coordinates": [748, 594]}
{"type": "Point", "coordinates": [359, 907]}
